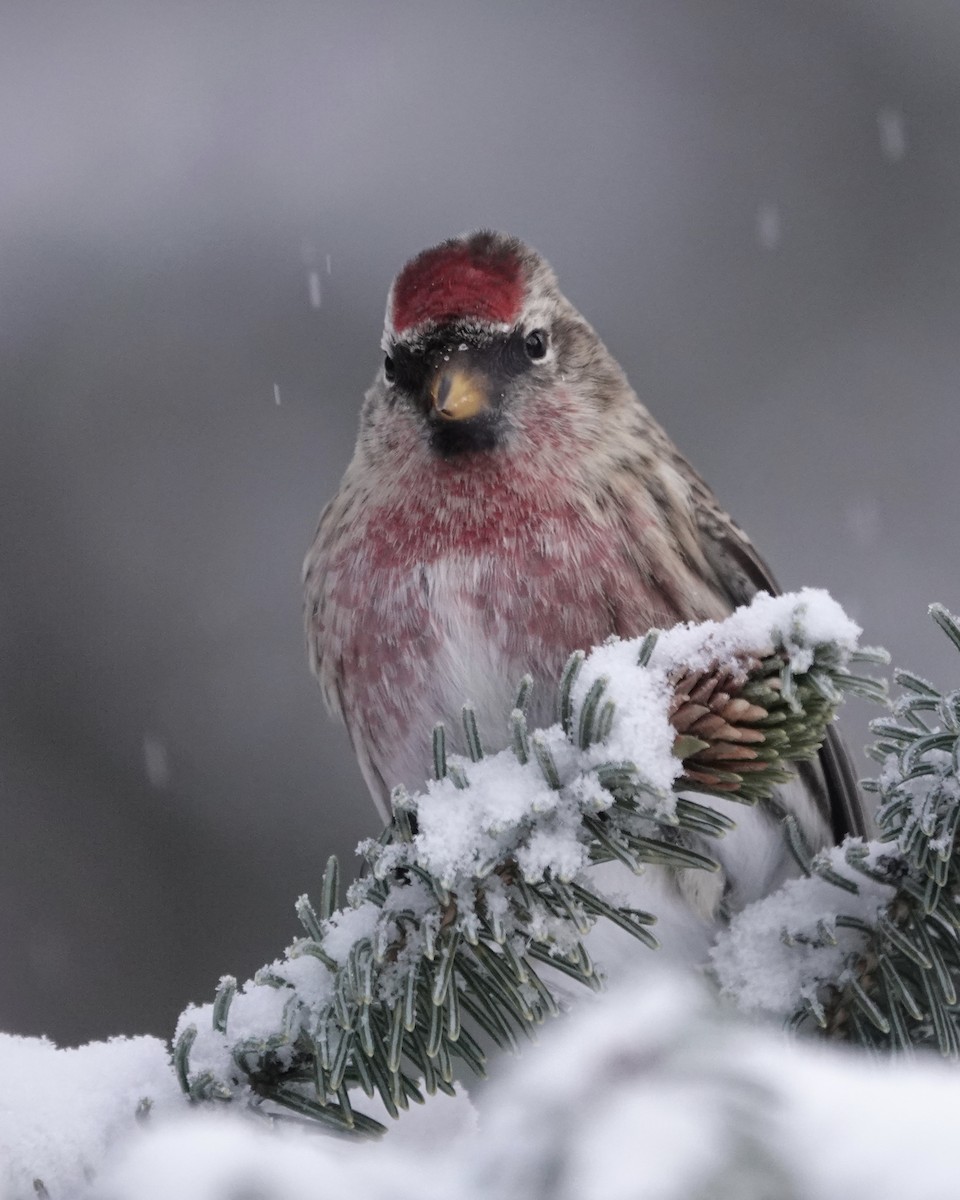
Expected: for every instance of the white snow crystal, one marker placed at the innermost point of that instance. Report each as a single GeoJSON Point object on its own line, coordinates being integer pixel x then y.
{"type": "Point", "coordinates": [156, 761]}
{"type": "Point", "coordinates": [461, 829]}
{"type": "Point", "coordinates": [557, 848]}
{"type": "Point", "coordinates": [768, 226]}
{"type": "Point", "coordinates": [61, 1110]}
{"type": "Point", "coordinates": [641, 730]}
{"type": "Point", "coordinates": [309, 976]}
{"type": "Point", "coordinates": [797, 620]}
{"type": "Point", "coordinates": [763, 974]}
{"type": "Point", "coordinates": [347, 927]}
{"type": "Point", "coordinates": [893, 133]}
{"type": "Point", "coordinates": [214, 1156]}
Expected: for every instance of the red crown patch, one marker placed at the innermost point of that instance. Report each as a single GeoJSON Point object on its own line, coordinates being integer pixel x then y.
{"type": "Point", "coordinates": [459, 280]}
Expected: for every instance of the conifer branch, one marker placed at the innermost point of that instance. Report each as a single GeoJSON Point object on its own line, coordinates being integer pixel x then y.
{"type": "Point", "coordinates": [887, 975]}
{"type": "Point", "coordinates": [437, 950]}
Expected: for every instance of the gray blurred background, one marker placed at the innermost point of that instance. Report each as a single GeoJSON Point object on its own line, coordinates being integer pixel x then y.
{"type": "Point", "coordinates": [201, 209]}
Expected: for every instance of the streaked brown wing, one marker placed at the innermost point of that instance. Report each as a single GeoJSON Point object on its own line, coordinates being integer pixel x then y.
{"type": "Point", "coordinates": [741, 572]}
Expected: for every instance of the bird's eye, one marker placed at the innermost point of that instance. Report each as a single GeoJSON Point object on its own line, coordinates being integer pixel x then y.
{"type": "Point", "coordinates": [535, 344]}
{"type": "Point", "coordinates": [389, 370]}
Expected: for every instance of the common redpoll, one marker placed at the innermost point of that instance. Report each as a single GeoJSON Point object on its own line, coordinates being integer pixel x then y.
{"type": "Point", "coordinates": [511, 500]}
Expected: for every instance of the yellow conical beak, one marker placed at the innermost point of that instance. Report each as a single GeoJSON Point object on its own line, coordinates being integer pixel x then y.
{"type": "Point", "coordinates": [458, 395]}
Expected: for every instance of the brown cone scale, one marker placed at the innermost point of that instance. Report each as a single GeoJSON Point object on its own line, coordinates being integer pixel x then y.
{"type": "Point", "coordinates": [716, 728]}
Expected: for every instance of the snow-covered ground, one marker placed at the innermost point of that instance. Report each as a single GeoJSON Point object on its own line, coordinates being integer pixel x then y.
{"type": "Point", "coordinates": [650, 1093]}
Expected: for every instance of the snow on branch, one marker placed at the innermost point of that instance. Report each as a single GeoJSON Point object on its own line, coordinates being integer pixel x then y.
{"type": "Point", "coordinates": [481, 886]}
{"type": "Point", "coordinates": [867, 948]}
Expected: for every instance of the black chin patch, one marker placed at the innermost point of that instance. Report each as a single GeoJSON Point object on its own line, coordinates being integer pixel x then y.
{"type": "Point", "coordinates": [450, 439]}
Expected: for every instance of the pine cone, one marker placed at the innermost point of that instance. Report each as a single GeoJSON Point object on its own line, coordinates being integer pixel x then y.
{"type": "Point", "coordinates": [716, 728]}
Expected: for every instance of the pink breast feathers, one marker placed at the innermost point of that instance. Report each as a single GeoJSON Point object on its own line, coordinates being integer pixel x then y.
{"type": "Point", "coordinates": [458, 280]}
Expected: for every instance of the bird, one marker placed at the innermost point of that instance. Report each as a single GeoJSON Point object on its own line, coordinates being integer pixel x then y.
{"type": "Point", "coordinates": [510, 500]}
